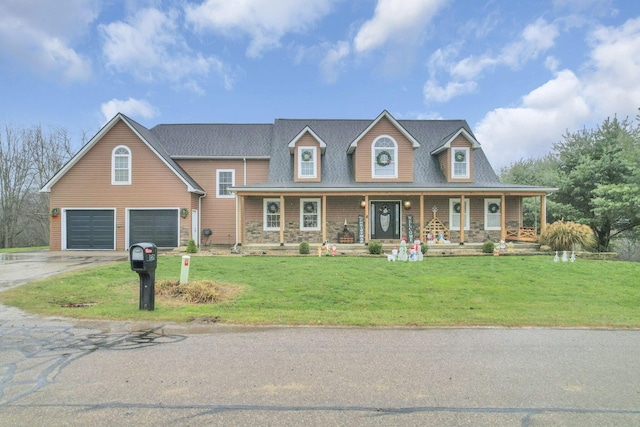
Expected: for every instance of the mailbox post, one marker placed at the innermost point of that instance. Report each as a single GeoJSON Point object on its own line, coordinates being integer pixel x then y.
{"type": "Point", "coordinates": [144, 259]}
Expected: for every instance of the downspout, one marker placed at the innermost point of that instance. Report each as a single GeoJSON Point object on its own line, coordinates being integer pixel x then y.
{"type": "Point", "coordinates": [244, 182]}
{"type": "Point", "coordinates": [200, 218]}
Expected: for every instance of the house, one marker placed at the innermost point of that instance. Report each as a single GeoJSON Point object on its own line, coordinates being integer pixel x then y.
{"type": "Point", "coordinates": [293, 180]}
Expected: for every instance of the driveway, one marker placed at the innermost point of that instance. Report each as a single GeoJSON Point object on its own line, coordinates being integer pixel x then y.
{"type": "Point", "coordinates": [57, 373]}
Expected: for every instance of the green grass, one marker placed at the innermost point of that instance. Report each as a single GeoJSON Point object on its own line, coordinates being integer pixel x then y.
{"type": "Point", "coordinates": [27, 249]}
{"type": "Point", "coordinates": [363, 291]}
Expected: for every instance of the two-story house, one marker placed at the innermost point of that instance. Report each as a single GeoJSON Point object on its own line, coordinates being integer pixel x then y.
{"type": "Point", "coordinates": [285, 182]}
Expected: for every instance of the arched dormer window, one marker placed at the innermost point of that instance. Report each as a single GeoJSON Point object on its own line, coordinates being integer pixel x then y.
{"type": "Point", "coordinates": [121, 166]}
{"type": "Point", "coordinates": [384, 158]}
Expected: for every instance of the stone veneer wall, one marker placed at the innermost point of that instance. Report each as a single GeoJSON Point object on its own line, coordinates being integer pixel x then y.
{"type": "Point", "coordinates": [254, 233]}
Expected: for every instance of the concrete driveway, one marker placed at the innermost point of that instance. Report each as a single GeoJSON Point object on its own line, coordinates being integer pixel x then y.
{"type": "Point", "coordinates": [57, 373]}
{"type": "Point", "coordinates": [23, 267]}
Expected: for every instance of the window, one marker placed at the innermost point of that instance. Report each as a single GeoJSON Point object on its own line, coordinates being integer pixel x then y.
{"type": "Point", "coordinates": [492, 216]}
{"type": "Point", "coordinates": [271, 214]}
{"type": "Point", "coordinates": [226, 179]}
{"type": "Point", "coordinates": [310, 214]}
{"type": "Point", "coordinates": [307, 162]}
{"type": "Point", "coordinates": [454, 214]}
{"type": "Point", "coordinates": [383, 158]}
{"type": "Point", "coordinates": [121, 166]}
{"type": "Point", "coordinates": [460, 162]}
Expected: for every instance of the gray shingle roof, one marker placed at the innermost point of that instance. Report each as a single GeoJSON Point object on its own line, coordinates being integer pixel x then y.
{"type": "Point", "coordinates": [215, 140]}
{"type": "Point", "coordinates": [160, 149]}
{"type": "Point", "coordinates": [271, 141]}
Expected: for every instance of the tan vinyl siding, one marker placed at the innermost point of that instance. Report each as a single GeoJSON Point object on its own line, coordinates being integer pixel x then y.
{"type": "Point", "coordinates": [219, 214]}
{"type": "Point", "coordinates": [153, 184]}
{"type": "Point", "coordinates": [307, 141]}
{"type": "Point", "coordinates": [362, 155]}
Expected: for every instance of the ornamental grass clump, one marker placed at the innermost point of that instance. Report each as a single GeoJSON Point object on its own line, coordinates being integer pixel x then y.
{"type": "Point", "coordinates": [568, 236]}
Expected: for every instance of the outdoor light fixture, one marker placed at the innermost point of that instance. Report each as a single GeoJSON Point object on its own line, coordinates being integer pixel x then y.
{"type": "Point", "coordinates": [407, 204]}
{"type": "Point", "coordinates": [363, 203]}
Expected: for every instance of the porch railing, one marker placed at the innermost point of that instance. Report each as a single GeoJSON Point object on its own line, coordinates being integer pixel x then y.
{"type": "Point", "coordinates": [523, 234]}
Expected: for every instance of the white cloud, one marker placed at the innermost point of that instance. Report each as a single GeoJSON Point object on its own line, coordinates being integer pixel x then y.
{"type": "Point", "coordinates": [531, 129]}
{"type": "Point", "coordinates": [609, 86]}
{"type": "Point", "coordinates": [463, 75]}
{"type": "Point", "coordinates": [151, 48]}
{"type": "Point", "coordinates": [264, 21]}
{"type": "Point", "coordinates": [535, 39]}
{"type": "Point", "coordinates": [397, 20]}
{"type": "Point", "coordinates": [433, 92]}
{"type": "Point", "coordinates": [130, 107]}
{"type": "Point", "coordinates": [333, 61]}
{"type": "Point", "coordinates": [614, 83]}
{"type": "Point", "coordinates": [41, 34]}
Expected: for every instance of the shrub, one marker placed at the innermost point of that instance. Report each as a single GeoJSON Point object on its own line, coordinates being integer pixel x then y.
{"type": "Point", "coordinates": [191, 247]}
{"type": "Point", "coordinates": [375, 248]}
{"type": "Point", "coordinates": [424, 249]}
{"type": "Point", "coordinates": [566, 236]}
{"type": "Point", "coordinates": [304, 248]}
{"type": "Point", "coordinates": [488, 246]}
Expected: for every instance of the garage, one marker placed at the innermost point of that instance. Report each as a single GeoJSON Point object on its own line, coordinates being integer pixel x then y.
{"type": "Point", "coordinates": [158, 226]}
{"type": "Point", "coordinates": [90, 229]}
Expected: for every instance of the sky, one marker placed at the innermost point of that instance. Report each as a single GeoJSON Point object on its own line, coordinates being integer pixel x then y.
{"type": "Point", "coordinates": [522, 73]}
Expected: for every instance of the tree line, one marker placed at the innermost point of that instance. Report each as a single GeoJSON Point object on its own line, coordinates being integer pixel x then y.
{"type": "Point", "coordinates": [597, 173]}
{"type": "Point", "coordinates": [29, 157]}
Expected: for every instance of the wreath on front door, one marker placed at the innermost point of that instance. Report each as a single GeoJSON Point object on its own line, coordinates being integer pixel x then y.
{"type": "Point", "coordinates": [459, 156]}
{"type": "Point", "coordinates": [383, 158]}
{"type": "Point", "coordinates": [494, 207]}
{"type": "Point", "coordinates": [456, 207]}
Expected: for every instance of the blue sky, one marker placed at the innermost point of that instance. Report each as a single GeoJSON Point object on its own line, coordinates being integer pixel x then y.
{"type": "Point", "coordinates": [521, 73]}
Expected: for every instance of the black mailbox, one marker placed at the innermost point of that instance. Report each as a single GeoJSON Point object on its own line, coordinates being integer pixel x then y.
{"type": "Point", "coordinates": [144, 260]}
{"type": "Point", "coordinates": [143, 256]}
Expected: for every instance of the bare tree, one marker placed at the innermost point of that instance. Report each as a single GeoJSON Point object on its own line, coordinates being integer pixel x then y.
{"type": "Point", "coordinates": [28, 159]}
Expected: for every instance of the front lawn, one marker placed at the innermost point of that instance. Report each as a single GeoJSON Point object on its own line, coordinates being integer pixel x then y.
{"type": "Point", "coordinates": [361, 291]}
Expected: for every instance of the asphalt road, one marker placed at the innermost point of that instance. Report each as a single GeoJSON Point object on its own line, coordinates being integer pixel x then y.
{"type": "Point", "coordinates": [57, 372]}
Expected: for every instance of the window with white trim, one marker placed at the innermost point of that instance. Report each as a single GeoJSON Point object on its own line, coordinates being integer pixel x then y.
{"type": "Point", "coordinates": [492, 215]}
{"type": "Point", "coordinates": [454, 214]}
{"type": "Point", "coordinates": [271, 208]}
{"type": "Point", "coordinates": [307, 162]}
{"type": "Point", "coordinates": [460, 162]}
{"type": "Point", "coordinates": [309, 214]}
{"type": "Point", "coordinates": [225, 180]}
{"type": "Point", "coordinates": [384, 162]}
{"type": "Point", "coordinates": [121, 166]}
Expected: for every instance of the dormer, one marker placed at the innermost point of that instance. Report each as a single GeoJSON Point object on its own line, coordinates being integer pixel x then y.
{"type": "Point", "coordinates": [455, 156]}
{"type": "Point", "coordinates": [383, 152]}
{"type": "Point", "coordinates": [307, 149]}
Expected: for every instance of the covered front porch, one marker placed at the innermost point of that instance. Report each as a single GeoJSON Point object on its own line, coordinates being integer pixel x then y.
{"type": "Point", "coordinates": [357, 218]}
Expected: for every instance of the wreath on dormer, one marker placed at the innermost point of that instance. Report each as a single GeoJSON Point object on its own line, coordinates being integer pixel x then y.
{"type": "Point", "coordinates": [273, 207]}
{"type": "Point", "coordinates": [383, 158]}
{"type": "Point", "coordinates": [459, 156]}
{"type": "Point", "coordinates": [494, 207]}
{"type": "Point", "coordinates": [307, 155]}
